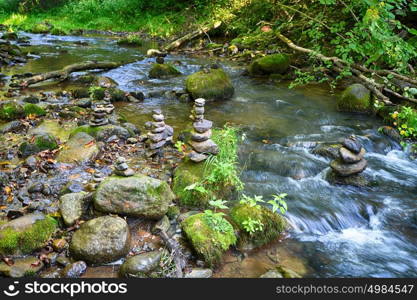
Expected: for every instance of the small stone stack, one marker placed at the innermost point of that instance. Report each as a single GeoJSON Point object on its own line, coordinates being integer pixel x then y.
{"type": "Point", "coordinates": [200, 139]}
{"type": "Point", "coordinates": [100, 112]}
{"type": "Point", "coordinates": [98, 177]}
{"type": "Point", "coordinates": [122, 168]}
{"type": "Point", "coordinates": [351, 161]}
{"type": "Point", "coordinates": [161, 133]}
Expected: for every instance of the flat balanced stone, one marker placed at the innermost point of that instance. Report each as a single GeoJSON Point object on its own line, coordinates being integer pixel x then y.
{"type": "Point", "coordinates": [157, 112]}
{"type": "Point", "coordinates": [203, 126]}
{"type": "Point", "coordinates": [158, 129]}
{"type": "Point", "coordinates": [157, 145]}
{"type": "Point", "coordinates": [158, 124]}
{"type": "Point", "coordinates": [205, 147]}
{"type": "Point", "coordinates": [200, 102]}
{"type": "Point", "coordinates": [169, 130]}
{"type": "Point", "coordinates": [122, 167]}
{"type": "Point", "coordinates": [158, 118]}
{"type": "Point", "coordinates": [197, 157]}
{"type": "Point", "coordinates": [201, 137]}
{"type": "Point", "coordinates": [352, 145]}
{"type": "Point", "coordinates": [350, 157]}
{"type": "Point", "coordinates": [126, 173]}
{"type": "Point", "coordinates": [120, 160]}
{"type": "Point", "coordinates": [157, 137]}
{"type": "Point", "coordinates": [343, 169]}
{"type": "Point", "coordinates": [199, 110]}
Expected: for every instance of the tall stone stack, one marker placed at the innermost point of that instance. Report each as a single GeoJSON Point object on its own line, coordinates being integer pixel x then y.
{"type": "Point", "coordinates": [160, 133]}
{"type": "Point", "coordinates": [100, 114]}
{"type": "Point", "coordinates": [200, 138]}
{"type": "Point", "coordinates": [351, 161]}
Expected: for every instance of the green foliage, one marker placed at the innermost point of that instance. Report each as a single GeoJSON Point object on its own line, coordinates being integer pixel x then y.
{"type": "Point", "coordinates": [96, 92]}
{"type": "Point", "coordinates": [131, 40]}
{"type": "Point", "coordinates": [251, 201]}
{"type": "Point", "coordinates": [252, 226]}
{"type": "Point", "coordinates": [406, 122]}
{"type": "Point", "coordinates": [34, 110]}
{"type": "Point", "coordinates": [278, 202]}
{"type": "Point", "coordinates": [197, 184]}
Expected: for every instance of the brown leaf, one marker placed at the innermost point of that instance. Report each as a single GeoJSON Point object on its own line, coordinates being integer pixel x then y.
{"type": "Point", "coordinates": [7, 190]}
{"type": "Point", "coordinates": [89, 144]}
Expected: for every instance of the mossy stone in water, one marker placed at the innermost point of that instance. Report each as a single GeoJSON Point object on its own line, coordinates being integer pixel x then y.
{"type": "Point", "coordinates": [163, 70]}
{"type": "Point", "coordinates": [273, 224]}
{"type": "Point", "coordinates": [206, 241]}
{"type": "Point", "coordinates": [211, 85]}
{"type": "Point", "coordinates": [11, 111]}
{"type": "Point", "coordinates": [26, 234]}
{"type": "Point", "coordinates": [270, 64]}
{"type": "Point", "coordinates": [355, 98]}
{"type": "Point", "coordinates": [186, 174]}
{"type": "Point", "coordinates": [34, 110]}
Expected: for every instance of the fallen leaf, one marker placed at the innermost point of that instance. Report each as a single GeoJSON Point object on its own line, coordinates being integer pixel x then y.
{"type": "Point", "coordinates": [90, 170]}
{"type": "Point", "coordinates": [89, 144]}
{"type": "Point", "coordinates": [74, 176]}
{"type": "Point", "coordinates": [7, 190]}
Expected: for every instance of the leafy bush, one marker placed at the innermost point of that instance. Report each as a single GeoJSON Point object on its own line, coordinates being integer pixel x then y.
{"type": "Point", "coordinates": [406, 122]}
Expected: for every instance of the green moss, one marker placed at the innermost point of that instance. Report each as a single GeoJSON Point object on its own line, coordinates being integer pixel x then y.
{"type": "Point", "coordinates": [96, 92]}
{"type": "Point", "coordinates": [163, 70]}
{"type": "Point", "coordinates": [273, 224]}
{"type": "Point", "coordinates": [29, 240]}
{"type": "Point", "coordinates": [186, 174]}
{"type": "Point", "coordinates": [173, 212]}
{"type": "Point", "coordinates": [90, 130]}
{"type": "Point", "coordinates": [355, 98]}
{"type": "Point", "coordinates": [270, 64]}
{"type": "Point", "coordinates": [40, 28]}
{"type": "Point", "coordinates": [78, 109]}
{"type": "Point", "coordinates": [45, 142]}
{"type": "Point", "coordinates": [11, 111]}
{"type": "Point", "coordinates": [33, 109]}
{"type": "Point", "coordinates": [208, 243]}
{"type": "Point", "coordinates": [116, 95]}
{"type": "Point", "coordinates": [212, 85]}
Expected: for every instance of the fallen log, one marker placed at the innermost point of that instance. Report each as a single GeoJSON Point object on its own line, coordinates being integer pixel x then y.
{"type": "Point", "coordinates": [175, 250]}
{"type": "Point", "coordinates": [64, 73]}
{"type": "Point", "coordinates": [192, 35]}
{"type": "Point", "coordinates": [358, 73]}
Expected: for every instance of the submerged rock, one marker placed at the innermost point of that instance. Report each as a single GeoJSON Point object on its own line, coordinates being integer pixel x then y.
{"type": "Point", "coordinates": [270, 64]}
{"type": "Point", "coordinates": [136, 196]}
{"type": "Point", "coordinates": [199, 273]}
{"type": "Point", "coordinates": [101, 240]}
{"type": "Point", "coordinates": [212, 85]}
{"type": "Point", "coordinates": [163, 71]}
{"type": "Point", "coordinates": [140, 265]}
{"type": "Point", "coordinates": [281, 272]}
{"type": "Point", "coordinates": [357, 180]}
{"type": "Point", "coordinates": [74, 270]}
{"type": "Point", "coordinates": [344, 169]}
{"type": "Point", "coordinates": [79, 148]}
{"type": "Point", "coordinates": [355, 98]}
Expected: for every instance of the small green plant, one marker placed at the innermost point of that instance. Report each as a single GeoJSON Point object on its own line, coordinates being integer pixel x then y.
{"type": "Point", "coordinates": [96, 92]}
{"type": "Point", "coordinates": [218, 204]}
{"type": "Point", "coordinates": [406, 122]}
{"type": "Point", "coordinates": [180, 146]}
{"type": "Point", "coordinates": [278, 202]}
{"type": "Point", "coordinates": [216, 219]}
{"type": "Point", "coordinates": [198, 187]}
{"type": "Point", "coordinates": [252, 201]}
{"type": "Point", "coordinates": [252, 226]}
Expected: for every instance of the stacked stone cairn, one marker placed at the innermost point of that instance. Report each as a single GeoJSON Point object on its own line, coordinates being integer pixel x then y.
{"type": "Point", "coordinates": [100, 113]}
{"type": "Point", "coordinates": [200, 138]}
{"type": "Point", "coordinates": [351, 161]}
{"type": "Point", "coordinates": [161, 133]}
{"type": "Point", "coordinates": [122, 168]}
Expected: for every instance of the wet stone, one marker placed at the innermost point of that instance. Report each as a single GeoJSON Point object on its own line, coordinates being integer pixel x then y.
{"type": "Point", "coordinates": [201, 137]}
{"type": "Point", "coordinates": [158, 118]}
{"type": "Point", "coordinates": [203, 126]}
{"type": "Point", "coordinates": [352, 144]}
{"type": "Point", "coordinates": [349, 157]}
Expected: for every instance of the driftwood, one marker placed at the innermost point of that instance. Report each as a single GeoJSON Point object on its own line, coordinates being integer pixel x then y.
{"type": "Point", "coordinates": [64, 73]}
{"type": "Point", "coordinates": [175, 250]}
{"type": "Point", "coordinates": [360, 73]}
{"type": "Point", "coordinates": [192, 35]}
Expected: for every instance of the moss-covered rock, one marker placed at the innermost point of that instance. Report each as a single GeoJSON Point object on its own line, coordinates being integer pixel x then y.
{"type": "Point", "coordinates": [39, 143]}
{"type": "Point", "coordinates": [79, 93]}
{"type": "Point", "coordinates": [102, 133]}
{"type": "Point", "coordinates": [273, 224]}
{"type": "Point", "coordinates": [136, 196]}
{"type": "Point", "coordinates": [101, 240]}
{"type": "Point", "coordinates": [42, 27]}
{"type": "Point", "coordinates": [270, 64]}
{"type": "Point", "coordinates": [97, 92]}
{"type": "Point", "coordinates": [21, 267]}
{"type": "Point", "coordinates": [206, 241]}
{"type": "Point", "coordinates": [26, 234]}
{"type": "Point", "coordinates": [53, 127]}
{"type": "Point", "coordinates": [355, 98]}
{"type": "Point", "coordinates": [212, 85]}
{"type": "Point", "coordinates": [11, 111]}
{"type": "Point", "coordinates": [117, 95]}
{"type": "Point", "coordinates": [33, 110]}
{"type": "Point", "coordinates": [163, 70]}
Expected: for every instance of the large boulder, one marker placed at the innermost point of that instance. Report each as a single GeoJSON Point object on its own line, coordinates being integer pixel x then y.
{"type": "Point", "coordinates": [79, 148]}
{"type": "Point", "coordinates": [355, 98]}
{"type": "Point", "coordinates": [208, 242]}
{"type": "Point", "coordinates": [101, 240]}
{"type": "Point", "coordinates": [270, 64]}
{"type": "Point", "coordinates": [211, 85]}
{"type": "Point", "coordinates": [26, 234]}
{"type": "Point", "coordinates": [11, 110]}
{"type": "Point", "coordinates": [136, 196]}
{"type": "Point", "coordinates": [53, 127]}
{"type": "Point", "coordinates": [102, 133]}
{"type": "Point", "coordinates": [72, 207]}
{"type": "Point", "coordinates": [163, 71]}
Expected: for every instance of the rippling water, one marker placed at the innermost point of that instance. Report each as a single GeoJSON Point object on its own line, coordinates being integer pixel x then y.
{"type": "Point", "coordinates": [337, 230]}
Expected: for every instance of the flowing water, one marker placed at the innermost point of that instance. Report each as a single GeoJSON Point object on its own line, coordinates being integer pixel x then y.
{"type": "Point", "coordinates": [337, 231]}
